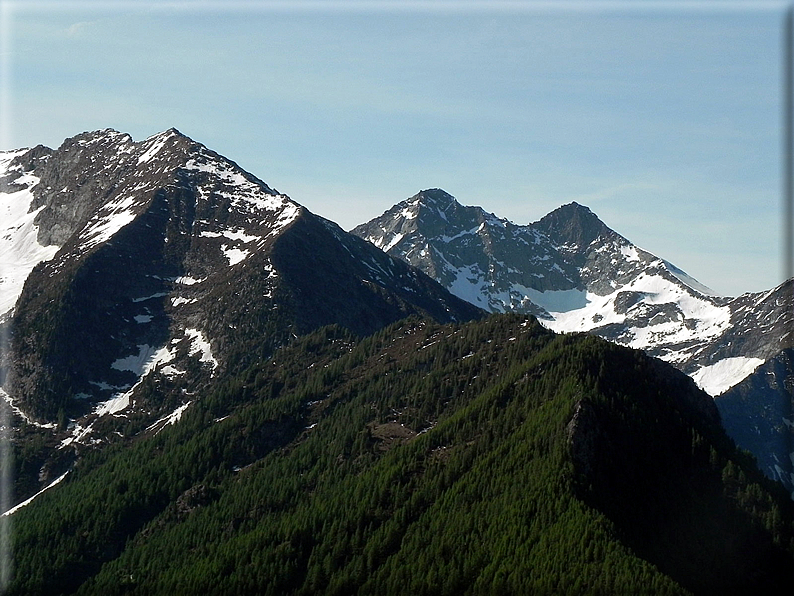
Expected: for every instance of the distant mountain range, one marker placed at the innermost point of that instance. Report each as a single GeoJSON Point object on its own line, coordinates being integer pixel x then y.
{"type": "Point", "coordinates": [576, 274]}
{"type": "Point", "coordinates": [195, 364]}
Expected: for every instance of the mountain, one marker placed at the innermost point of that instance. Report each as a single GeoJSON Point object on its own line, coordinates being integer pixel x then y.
{"type": "Point", "coordinates": [161, 262]}
{"type": "Point", "coordinates": [209, 389]}
{"type": "Point", "coordinates": [491, 457]}
{"type": "Point", "coordinates": [576, 274]}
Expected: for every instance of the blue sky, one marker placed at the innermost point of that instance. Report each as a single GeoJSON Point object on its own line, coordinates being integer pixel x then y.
{"type": "Point", "coordinates": [663, 117]}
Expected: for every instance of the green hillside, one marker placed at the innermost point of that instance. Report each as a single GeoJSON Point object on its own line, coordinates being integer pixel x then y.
{"type": "Point", "coordinates": [487, 458]}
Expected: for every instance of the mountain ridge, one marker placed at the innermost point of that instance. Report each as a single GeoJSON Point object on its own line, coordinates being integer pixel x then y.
{"type": "Point", "coordinates": [597, 268]}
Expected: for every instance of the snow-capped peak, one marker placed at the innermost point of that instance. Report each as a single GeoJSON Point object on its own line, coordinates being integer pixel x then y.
{"type": "Point", "coordinates": [572, 271]}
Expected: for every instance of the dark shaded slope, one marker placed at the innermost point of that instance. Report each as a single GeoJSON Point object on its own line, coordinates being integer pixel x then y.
{"type": "Point", "coordinates": [333, 277]}
{"type": "Point", "coordinates": [575, 226]}
{"type": "Point", "coordinates": [652, 456]}
{"type": "Point", "coordinates": [75, 318]}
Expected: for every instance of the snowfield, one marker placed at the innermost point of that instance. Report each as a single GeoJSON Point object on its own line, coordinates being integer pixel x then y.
{"type": "Point", "coordinates": [20, 251]}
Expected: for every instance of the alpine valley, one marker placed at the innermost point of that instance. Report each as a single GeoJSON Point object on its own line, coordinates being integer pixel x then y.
{"type": "Point", "coordinates": [207, 389]}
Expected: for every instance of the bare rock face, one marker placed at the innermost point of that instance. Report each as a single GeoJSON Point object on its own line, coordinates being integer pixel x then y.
{"type": "Point", "coordinates": [584, 439]}
{"type": "Point", "coordinates": [71, 185]}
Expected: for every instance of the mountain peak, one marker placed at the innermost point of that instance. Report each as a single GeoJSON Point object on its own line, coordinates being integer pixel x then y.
{"type": "Point", "coordinates": [167, 134]}
{"type": "Point", "coordinates": [574, 224]}
{"type": "Point", "coordinates": [433, 196]}
{"type": "Point", "coordinates": [111, 135]}
{"type": "Point", "coordinates": [102, 137]}
{"type": "Point", "coordinates": [432, 201]}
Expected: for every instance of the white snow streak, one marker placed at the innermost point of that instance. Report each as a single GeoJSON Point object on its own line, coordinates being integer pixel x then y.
{"type": "Point", "coordinates": [180, 300]}
{"type": "Point", "coordinates": [140, 364]}
{"type": "Point", "coordinates": [171, 418]}
{"type": "Point", "coordinates": [111, 218]}
{"type": "Point", "coordinates": [394, 241]}
{"type": "Point", "coordinates": [188, 281]}
{"type": "Point", "coordinates": [157, 142]}
{"type": "Point", "coordinates": [239, 235]}
{"type": "Point", "coordinates": [19, 506]}
{"type": "Point", "coordinates": [9, 400]}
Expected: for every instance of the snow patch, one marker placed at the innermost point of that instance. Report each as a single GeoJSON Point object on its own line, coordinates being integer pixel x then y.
{"type": "Point", "coordinates": [394, 241]}
{"type": "Point", "coordinates": [171, 418]}
{"type": "Point", "coordinates": [717, 378]}
{"type": "Point", "coordinates": [407, 213]}
{"type": "Point", "coordinates": [234, 255]}
{"type": "Point", "coordinates": [141, 364]}
{"type": "Point", "coordinates": [238, 234]}
{"type": "Point", "coordinates": [78, 434]}
{"type": "Point", "coordinates": [188, 281]}
{"type": "Point", "coordinates": [171, 371]}
{"type": "Point", "coordinates": [248, 195]}
{"type": "Point", "coordinates": [156, 143]}
{"type": "Point", "coordinates": [179, 300]}
{"type": "Point", "coordinates": [199, 345]}
{"type": "Point", "coordinates": [20, 251]}
{"type": "Point", "coordinates": [111, 218]}
{"type": "Point", "coordinates": [630, 252]}
{"type": "Point", "coordinates": [597, 311]}
{"type": "Point", "coordinates": [709, 320]}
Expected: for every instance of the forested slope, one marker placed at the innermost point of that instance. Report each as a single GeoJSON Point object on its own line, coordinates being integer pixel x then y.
{"type": "Point", "coordinates": [490, 457]}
